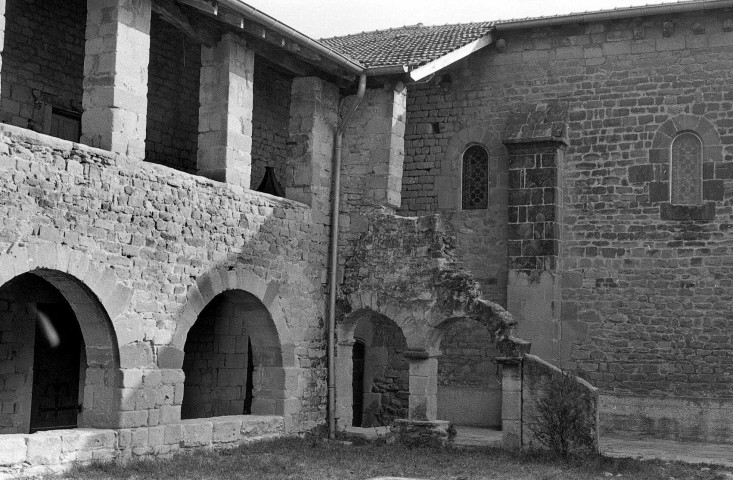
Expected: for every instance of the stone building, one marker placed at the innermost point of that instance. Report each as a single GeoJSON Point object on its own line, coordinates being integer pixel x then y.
{"type": "Point", "coordinates": [574, 171]}
{"type": "Point", "coordinates": [583, 163]}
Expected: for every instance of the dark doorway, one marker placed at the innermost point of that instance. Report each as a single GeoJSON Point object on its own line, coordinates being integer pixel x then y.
{"type": "Point", "coordinates": [357, 382]}
{"type": "Point", "coordinates": [249, 387]}
{"type": "Point", "coordinates": [55, 397]}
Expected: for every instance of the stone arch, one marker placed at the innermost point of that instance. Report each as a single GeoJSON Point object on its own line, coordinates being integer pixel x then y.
{"type": "Point", "coordinates": [90, 294]}
{"type": "Point", "coordinates": [660, 179]}
{"type": "Point", "coordinates": [469, 384]}
{"type": "Point", "coordinates": [88, 288]}
{"type": "Point", "coordinates": [275, 375]}
{"type": "Point", "coordinates": [701, 126]}
{"type": "Point", "coordinates": [386, 350]}
{"type": "Point", "coordinates": [448, 184]}
{"type": "Point", "coordinates": [220, 280]}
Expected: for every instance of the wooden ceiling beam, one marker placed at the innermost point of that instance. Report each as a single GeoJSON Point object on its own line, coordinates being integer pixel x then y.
{"type": "Point", "coordinates": [170, 13]}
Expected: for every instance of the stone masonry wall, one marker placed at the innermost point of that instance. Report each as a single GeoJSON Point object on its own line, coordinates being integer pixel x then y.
{"type": "Point", "coordinates": [645, 300]}
{"type": "Point", "coordinates": [55, 451]}
{"type": "Point", "coordinates": [469, 387]}
{"type": "Point", "coordinates": [443, 119]}
{"type": "Point", "coordinates": [270, 119]}
{"type": "Point", "coordinates": [171, 138]}
{"type": "Point", "coordinates": [153, 244]}
{"type": "Point", "coordinates": [43, 59]}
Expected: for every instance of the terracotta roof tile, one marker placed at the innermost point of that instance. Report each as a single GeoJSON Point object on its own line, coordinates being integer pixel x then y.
{"type": "Point", "coordinates": [412, 45]}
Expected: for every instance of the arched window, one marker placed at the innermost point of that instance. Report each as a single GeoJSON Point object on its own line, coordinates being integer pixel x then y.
{"type": "Point", "coordinates": [475, 178]}
{"type": "Point", "coordinates": [686, 182]}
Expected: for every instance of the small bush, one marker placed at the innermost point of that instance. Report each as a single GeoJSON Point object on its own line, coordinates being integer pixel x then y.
{"type": "Point", "coordinates": [563, 419]}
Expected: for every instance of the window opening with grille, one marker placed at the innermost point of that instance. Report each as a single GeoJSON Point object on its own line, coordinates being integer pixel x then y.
{"type": "Point", "coordinates": [475, 178]}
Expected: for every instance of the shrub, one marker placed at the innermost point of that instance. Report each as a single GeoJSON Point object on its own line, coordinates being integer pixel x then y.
{"type": "Point", "coordinates": [563, 419]}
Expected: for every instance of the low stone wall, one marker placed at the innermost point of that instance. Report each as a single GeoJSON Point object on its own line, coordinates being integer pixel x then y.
{"type": "Point", "coordinates": [679, 418]}
{"type": "Point", "coordinates": [56, 450]}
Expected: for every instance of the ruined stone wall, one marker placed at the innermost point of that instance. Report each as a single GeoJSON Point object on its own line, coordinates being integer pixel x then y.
{"type": "Point", "coordinates": [645, 299]}
{"type": "Point", "coordinates": [443, 119]}
{"type": "Point", "coordinates": [43, 59]}
{"type": "Point", "coordinates": [154, 245]}
{"type": "Point", "coordinates": [270, 118]}
{"type": "Point", "coordinates": [171, 138]}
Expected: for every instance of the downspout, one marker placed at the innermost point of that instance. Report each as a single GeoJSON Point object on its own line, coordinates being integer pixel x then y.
{"type": "Point", "coordinates": [333, 262]}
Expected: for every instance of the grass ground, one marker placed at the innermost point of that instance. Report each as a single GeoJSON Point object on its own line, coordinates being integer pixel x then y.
{"type": "Point", "coordinates": [294, 459]}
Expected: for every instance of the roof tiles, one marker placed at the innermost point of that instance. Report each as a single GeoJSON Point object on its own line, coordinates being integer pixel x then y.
{"type": "Point", "coordinates": [409, 46]}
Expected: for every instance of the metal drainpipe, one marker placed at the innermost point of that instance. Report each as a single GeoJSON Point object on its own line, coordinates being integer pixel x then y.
{"type": "Point", "coordinates": [333, 262]}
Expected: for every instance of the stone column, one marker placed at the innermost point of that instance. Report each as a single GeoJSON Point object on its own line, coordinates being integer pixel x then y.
{"type": "Point", "coordinates": [116, 76]}
{"type": "Point", "coordinates": [374, 149]}
{"type": "Point", "coordinates": [423, 385]}
{"type": "Point", "coordinates": [511, 401]}
{"type": "Point", "coordinates": [225, 112]}
{"type": "Point", "coordinates": [344, 377]}
{"type": "Point", "coordinates": [275, 391]}
{"type": "Point", "coordinates": [313, 119]}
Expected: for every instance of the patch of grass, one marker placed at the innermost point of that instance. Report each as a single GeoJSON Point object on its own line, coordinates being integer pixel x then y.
{"type": "Point", "coordinates": [312, 458]}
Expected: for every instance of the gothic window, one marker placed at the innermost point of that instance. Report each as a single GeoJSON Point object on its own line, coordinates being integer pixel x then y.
{"type": "Point", "coordinates": [686, 184]}
{"type": "Point", "coordinates": [475, 178]}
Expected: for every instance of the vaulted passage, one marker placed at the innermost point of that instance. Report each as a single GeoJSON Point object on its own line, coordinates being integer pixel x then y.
{"type": "Point", "coordinates": [43, 357]}
{"type": "Point", "coordinates": [231, 352]}
{"type": "Point", "coordinates": [381, 368]}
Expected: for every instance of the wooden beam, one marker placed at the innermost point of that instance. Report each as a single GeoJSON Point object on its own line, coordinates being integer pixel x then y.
{"type": "Point", "coordinates": [203, 5]}
{"type": "Point", "coordinates": [449, 58]}
{"type": "Point", "coordinates": [170, 13]}
{"type": "Point", "coordinates": [282, 45]}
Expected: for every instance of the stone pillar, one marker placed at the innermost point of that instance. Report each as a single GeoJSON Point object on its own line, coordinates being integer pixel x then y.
{"type": "Point", "coordinates": [225, 112]}
{"type": "Point", "coordinates": [344, 377]}
{"type": "Point", "coordinates": [116, 76]}
{"type": "Point", "coordinates": [535, 140]}
{"type": "Point", "coordinates": [374, 149]}
{"type": "Point", "coordinates": [313, 119]}
{"type": "Point", "coordinates": [275, 391]}
{"type": "Point", "coordinates": [423, 385]}
{"type": "Point", "coordinates": [511, 401]}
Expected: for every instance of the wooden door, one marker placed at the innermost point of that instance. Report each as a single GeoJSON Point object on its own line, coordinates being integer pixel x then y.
{"type": "Point", "coordinates": [55, 400]}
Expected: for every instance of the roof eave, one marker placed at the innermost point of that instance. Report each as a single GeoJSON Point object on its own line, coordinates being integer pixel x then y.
{"type": "Point", "coordinates": [621, 13]}
{"type": "Point", "coordinates": [450, 58]}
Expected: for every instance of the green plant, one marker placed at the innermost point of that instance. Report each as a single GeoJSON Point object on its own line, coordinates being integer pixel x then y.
{"type": "Point", "coordinates": [563, 418]}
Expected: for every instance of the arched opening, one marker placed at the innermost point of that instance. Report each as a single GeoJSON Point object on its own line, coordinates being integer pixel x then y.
{"type": "Point", "coordinates": [45, 363]}
{"type": "Point", "coordinates": [469, 385]}
{"type": "Point", "coordinates": [385, 384]}
{"type": "Point", "coordinates": [357, 381]}
{"type": "Point", "coordinates": [232, 353]}
{"type": "Point", "coordinates": [475, 178]}
{"type": "Point", "coordinates": [686, 169]}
